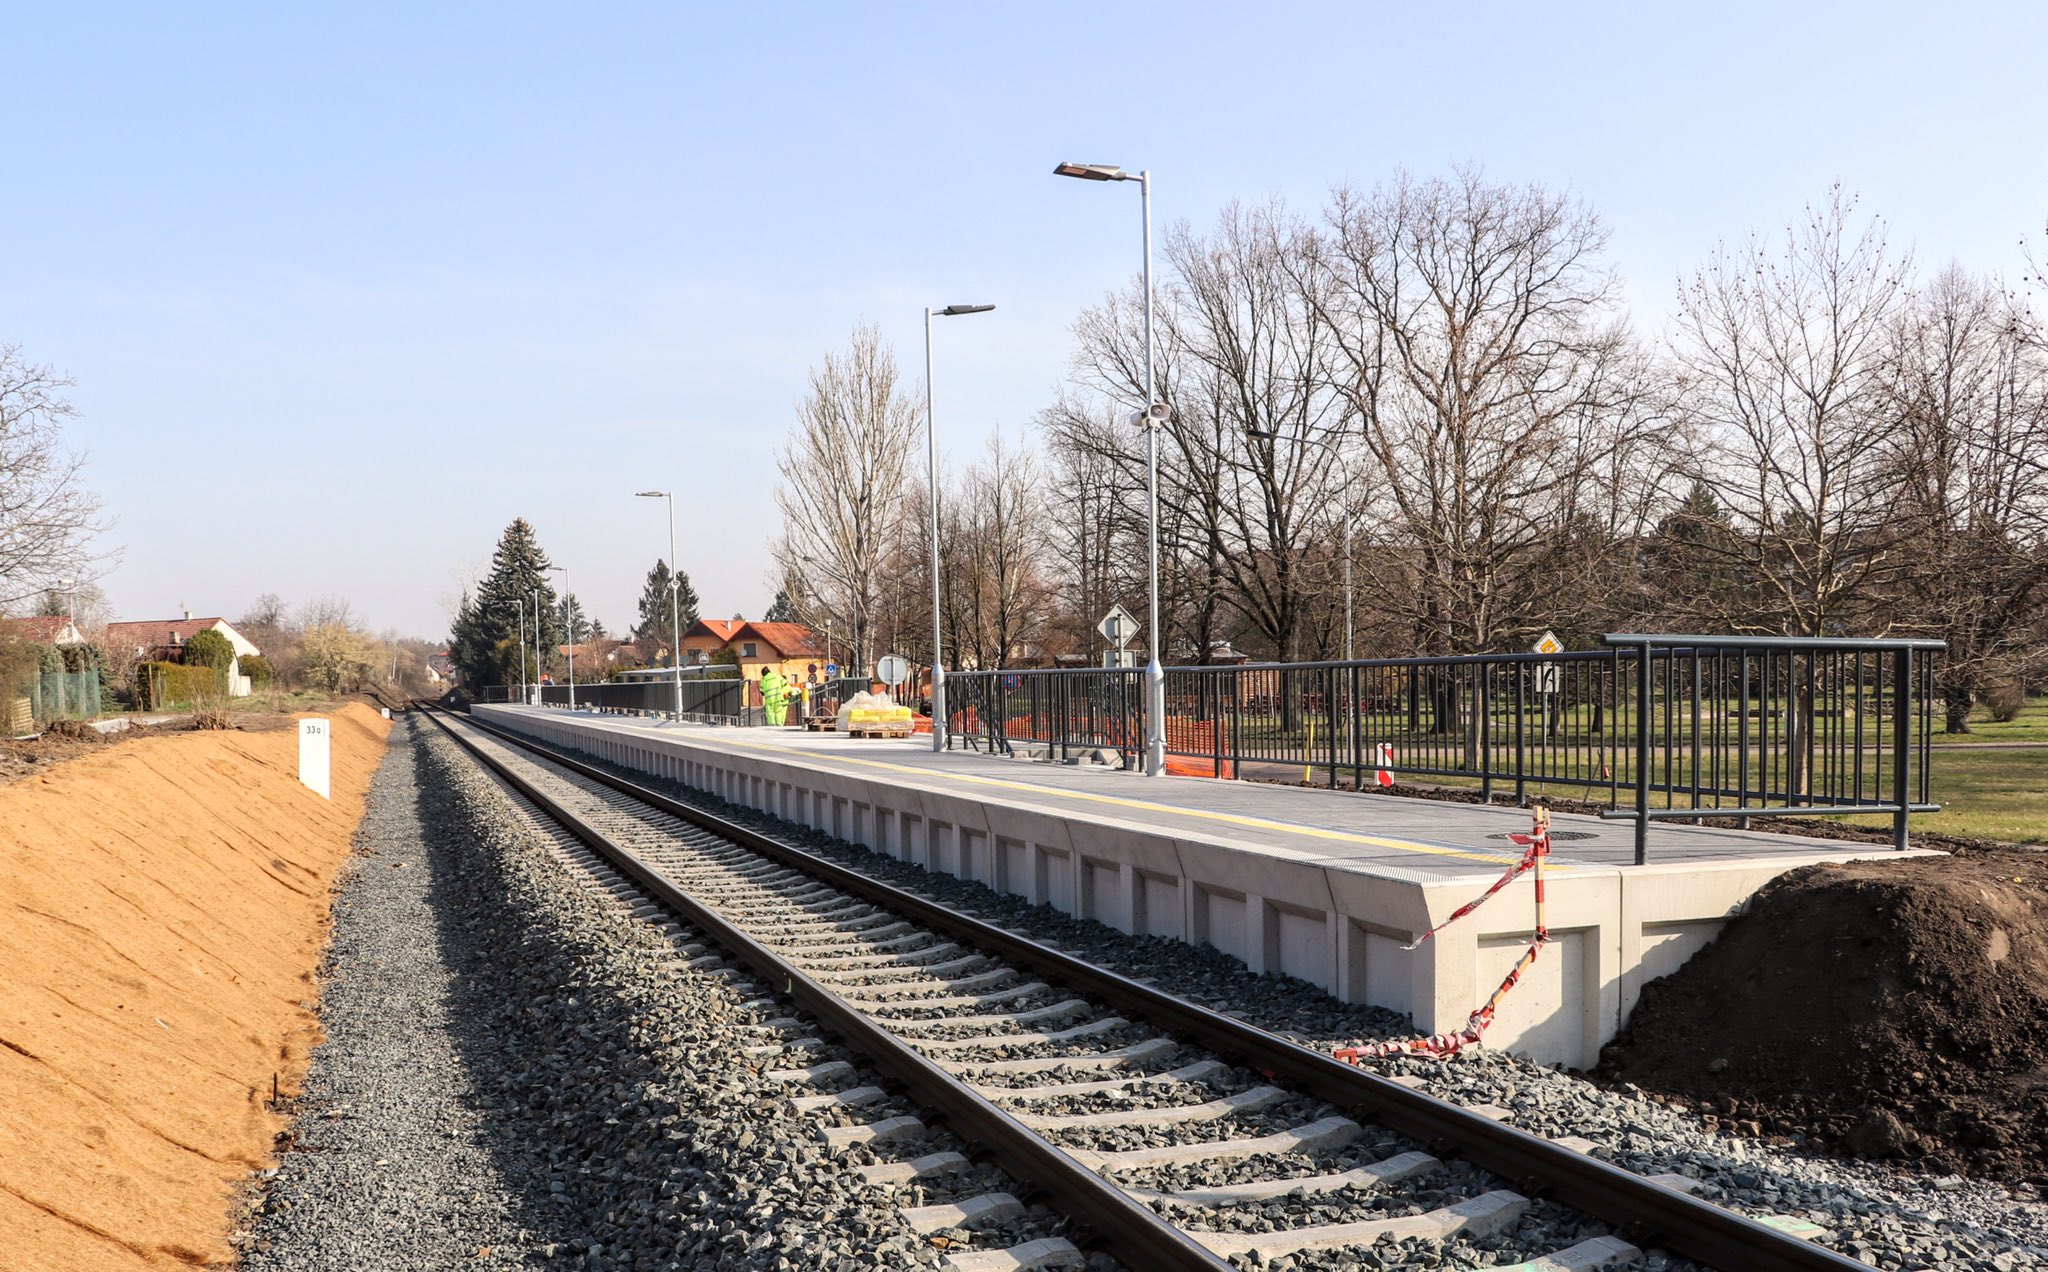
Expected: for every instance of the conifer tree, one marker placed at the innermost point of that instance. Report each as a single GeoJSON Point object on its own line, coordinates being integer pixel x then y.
{"type": "Point", "coordinates": [654, 622]}
{"type": "Point", "coordinates": [487, 624]}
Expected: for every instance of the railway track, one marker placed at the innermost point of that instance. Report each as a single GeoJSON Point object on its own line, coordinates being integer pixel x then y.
{"type": "Point", "coordinates": [1176, 1136]}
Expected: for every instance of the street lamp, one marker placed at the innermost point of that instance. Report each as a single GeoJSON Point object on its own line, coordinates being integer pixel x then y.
{"type": "Point", "coordinates": [569, 617]}
{"type": "Point", "coordinates": [538, 666]}
{"type": "Point", "coordinates": [1150, 420]}
{"type": "Point", "coordinates": [1349, 530]}
{"type": "Point", "coordinates": [519, 607]}
{"type": "Point", "coordinates": [931, 469]}
{"type": "Point", "coordinates": [675, 611]}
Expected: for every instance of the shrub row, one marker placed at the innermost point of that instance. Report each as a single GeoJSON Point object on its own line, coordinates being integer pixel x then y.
{"type": "Point", "coordinates": [162, 684]}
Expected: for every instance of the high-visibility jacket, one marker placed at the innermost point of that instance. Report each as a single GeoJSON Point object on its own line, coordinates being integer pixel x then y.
{"type": "Point", "coordinates": [773, 686]}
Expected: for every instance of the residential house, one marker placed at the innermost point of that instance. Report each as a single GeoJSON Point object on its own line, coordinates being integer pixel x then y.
{"type": "Point", "coordinates": [706, 637]}
{"type": "Point", "coordinates": [792, 648]}
{"type": "Point", "coordinates": [163, 640]}
{"type": "Point", "coordinates": [45, 629]}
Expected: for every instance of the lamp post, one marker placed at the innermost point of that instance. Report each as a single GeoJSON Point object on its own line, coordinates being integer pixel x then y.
{"type": "Point", "coordinates": [675, 611]}
{"type": "Point", "coordinates": [519, 606]}
{"type": "Point", "coordinates": [1150, 419]}
{"type": "Point", "coordinates": [538, 665]}
{"type": "Point", "coordinates": [568, 616]}
{"type": "Point", "coordinates": [1350, 528]}
{"type": "Point", "coordinates": [931, 469]}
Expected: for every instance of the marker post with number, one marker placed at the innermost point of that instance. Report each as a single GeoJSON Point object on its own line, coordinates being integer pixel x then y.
{"type": "Point", "coordinates": [315, 751]}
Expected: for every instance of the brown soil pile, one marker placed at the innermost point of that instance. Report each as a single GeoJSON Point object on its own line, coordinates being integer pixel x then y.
{"type": "Point", "coordinates": [162, 907]}
{"type": "Point", "coordinates": [1892, 1009]}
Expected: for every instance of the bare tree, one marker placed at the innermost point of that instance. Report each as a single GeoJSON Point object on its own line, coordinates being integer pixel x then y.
{"type": "Point", "coordinates": [1783, 353]}
{"type": "Point", "coordinates": [1968, 391]}
{"type": "Point", "coordinates": [1258, 409]}
{"type": "Point", "coordinates": [843, 499]}
{"type": "Point", "coordinates": [47, 517]}
{"type": "Point", "coordinates": [998, 569]}
{"type": "Point", "coordinates": [1495, 387]}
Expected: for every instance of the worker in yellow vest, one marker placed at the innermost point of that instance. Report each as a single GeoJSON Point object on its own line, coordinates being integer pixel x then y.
{"type": "Point", "coordinates": [774, 695]}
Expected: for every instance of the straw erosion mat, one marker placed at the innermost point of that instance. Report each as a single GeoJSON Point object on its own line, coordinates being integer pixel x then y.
{"type": "Point", "coordinates": [163, 904]}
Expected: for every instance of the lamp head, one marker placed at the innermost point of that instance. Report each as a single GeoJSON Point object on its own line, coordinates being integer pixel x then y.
{"type": "Point", "coordinates": [954, 311]}
{"type": "Point", "coordinates": [650, 494]}
{"type": "Point", "coordinates": [1091, 171]}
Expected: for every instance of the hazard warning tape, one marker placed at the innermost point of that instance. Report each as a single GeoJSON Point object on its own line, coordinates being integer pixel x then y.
{"type": "Point", "coordinates": [1445, 1045]}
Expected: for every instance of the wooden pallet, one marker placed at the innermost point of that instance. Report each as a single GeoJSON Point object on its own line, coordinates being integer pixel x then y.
{"type": "Point", "coordinates": [821, 724]}
{"type": "Point", "coordinates": [886, 731]}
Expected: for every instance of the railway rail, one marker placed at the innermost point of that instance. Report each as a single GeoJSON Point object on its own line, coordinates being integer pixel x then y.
{"type": "Point", "coordinates": [985, 1030]}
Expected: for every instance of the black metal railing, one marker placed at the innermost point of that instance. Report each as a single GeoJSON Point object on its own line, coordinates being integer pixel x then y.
{"type": "Point", "coordinates": [1656, 727]}
{"type": "Point", "coordinates": [711, 701]}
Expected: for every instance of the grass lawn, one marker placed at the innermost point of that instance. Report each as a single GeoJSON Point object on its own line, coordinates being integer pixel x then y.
{"type": "Point", "coordinates": [1987, 795]}
{"type": "Point", "coordinates": [2031, 725]}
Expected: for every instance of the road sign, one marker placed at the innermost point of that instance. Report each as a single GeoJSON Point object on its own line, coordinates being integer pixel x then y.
{"type": "Point", "coordinates": [892, 669]}
{"type": "Point", "coordinates": [1546, 673]}
{"type": "Point", "coordinates": [831, 671]}
{"type": "Point", "coordinates": [1118, 627]}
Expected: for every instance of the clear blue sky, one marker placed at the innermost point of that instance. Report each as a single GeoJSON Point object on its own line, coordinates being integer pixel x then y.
{"type": "Point", "coordinates": [347, 288]}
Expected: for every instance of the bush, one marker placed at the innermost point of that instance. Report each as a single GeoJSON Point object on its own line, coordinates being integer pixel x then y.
{"type": "Point", "coordinates": [2005, 699]}
{"type": "Point", "coordinates": [259, 671]}
{"type": "Point", "coordinates": [210, 649]}
{"type": "Point", "coordinates": [51, 658]}
{"type": "Point", "coordinates": [159, 685]}
{"type": "Point", "coordinates": [82, 658]}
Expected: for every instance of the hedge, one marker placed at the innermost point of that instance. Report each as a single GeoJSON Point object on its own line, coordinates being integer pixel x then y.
{"type": "Point", "coordinates": [257, 668]}
{"type": "Point", "coordinates": [161, 684]}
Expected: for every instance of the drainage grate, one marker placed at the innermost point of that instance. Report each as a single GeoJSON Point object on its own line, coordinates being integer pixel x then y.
{"type": "Point", "coordinates": [1557, 836]}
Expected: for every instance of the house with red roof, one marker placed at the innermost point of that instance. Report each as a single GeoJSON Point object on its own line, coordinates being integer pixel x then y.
{"type": "Point", "coordinates": [794, 649]}
{"type": "Point", "coordinates": [163, 640]}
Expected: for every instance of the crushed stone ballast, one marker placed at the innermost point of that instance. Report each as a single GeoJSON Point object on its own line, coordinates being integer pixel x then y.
{"type": "Point", "coordinates": [1178, 1136]}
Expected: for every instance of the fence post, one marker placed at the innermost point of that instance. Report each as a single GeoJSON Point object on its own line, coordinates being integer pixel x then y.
{"type": "Point", "coordinates": [1521, 746]}
{"type": "Point", "coordinates": [1643, 753]}
{"type": "Point", "coordinates": [1482, 726]}
{"type": "Point", "coordinates": [1902, 739]}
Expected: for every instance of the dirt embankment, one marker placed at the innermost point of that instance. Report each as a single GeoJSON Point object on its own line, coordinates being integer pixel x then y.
{"type": "Point", "coordinates": [163, 904]}
{"type": "Point", "coordinates": [1889, 1009]}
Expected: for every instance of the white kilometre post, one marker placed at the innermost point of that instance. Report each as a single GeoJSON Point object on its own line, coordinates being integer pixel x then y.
{"type": "Point", "coordinates": [315, 749]}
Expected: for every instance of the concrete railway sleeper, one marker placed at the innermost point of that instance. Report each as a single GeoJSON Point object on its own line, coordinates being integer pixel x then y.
{"type": "Point", "coordinates": [1180, 1136]}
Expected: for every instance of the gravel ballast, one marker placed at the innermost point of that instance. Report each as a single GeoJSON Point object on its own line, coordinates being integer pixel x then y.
{"type": "Point", "coordinates": [518, 1073]}
{"type": "Point", "coordinates": [1888, 1217]}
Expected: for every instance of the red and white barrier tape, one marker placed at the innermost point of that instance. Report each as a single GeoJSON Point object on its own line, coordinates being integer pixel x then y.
{"type": "Point", "coordinates": [1445, 1045]}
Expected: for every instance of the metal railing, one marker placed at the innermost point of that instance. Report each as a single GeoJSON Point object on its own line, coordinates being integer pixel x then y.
{"type": "Point", "coordinates": [1656, 727]}
{"type": "Point", "coordinates": [706, 701]}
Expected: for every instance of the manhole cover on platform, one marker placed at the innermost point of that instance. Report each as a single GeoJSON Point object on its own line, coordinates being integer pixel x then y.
{"type": "Point", "coordinates": [1556, 836]}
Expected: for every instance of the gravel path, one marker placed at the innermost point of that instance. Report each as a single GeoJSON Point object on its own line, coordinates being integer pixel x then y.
{"type": "Point", "coordinates": [518, 1073]}
{"type": "Point", "coordinates": [388, 1167]}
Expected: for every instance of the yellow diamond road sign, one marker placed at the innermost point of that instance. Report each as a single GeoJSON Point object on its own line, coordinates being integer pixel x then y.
{"type": "Point", "coordinates": [1548, 644]}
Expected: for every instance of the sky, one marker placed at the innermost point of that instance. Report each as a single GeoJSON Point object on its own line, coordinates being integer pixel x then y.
{"type": "Point", "coordinates": [346, 288]}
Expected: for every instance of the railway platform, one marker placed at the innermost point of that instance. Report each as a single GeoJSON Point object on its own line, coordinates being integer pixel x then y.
{"type": "Point", "coordinates": [1327, 886]}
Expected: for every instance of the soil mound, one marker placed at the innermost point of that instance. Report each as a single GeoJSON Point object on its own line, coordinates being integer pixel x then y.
{"type": "Point", "coordinates": [1890, 1009]}
{"type": "Point", "coordinates": [162, 908]}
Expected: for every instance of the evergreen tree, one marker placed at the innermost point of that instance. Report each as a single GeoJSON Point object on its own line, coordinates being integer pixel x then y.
{"type": "Point", "coordinates": [487, 624]}
{"type": "Point", "coordinates": [783, 610]}
{"type": "Point", "coordinates": [654, 625]}
{"type": "Point", "coordinates": [575, 627]}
